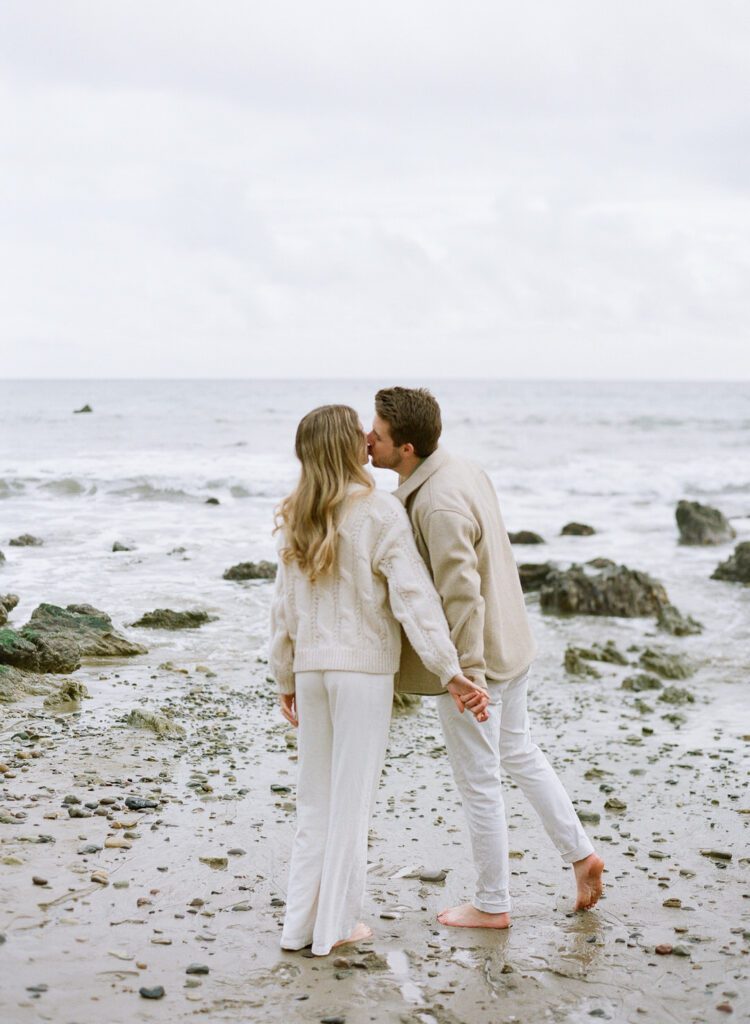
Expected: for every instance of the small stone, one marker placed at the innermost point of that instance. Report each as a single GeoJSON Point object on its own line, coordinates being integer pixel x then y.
{"type": "Point", "coordinates": [725, 1007]}
{"type": "Point", "coordinates": [101, 877]}
{"type": "Point", "coordinates": [716, 854]}
{"type": "Point", "coordinates": [278, 788]}
{"type": "Point", "coordinates": [664, 949]}
{"type": "Point", "coordinates": [333, 1020]}
{"type": "Point", "coordinates": [196, 969]}
{"type": "Point", "coordinates": [681, 950]}
{"type": "Point", "coordinates": [236, 851]}
{"type": "Point", "coordinates": [589, 817]}
{"type": "Point", "coordinates": [138, 803]}
{"type": "Point", "coordinates": [673, 901]}
{"type": "Point", "coordinates": [435, 875]}
{"type": "Point", "coordinates": [152, 993]}
{"type": "Point", "coordinates": [38, 880]}
{"type": "Point", "coordinates": [615, 804]}
{"type": "Point", "coordinates": [117, 843]}
{"type": "Point", "coordinates": [214, 862]}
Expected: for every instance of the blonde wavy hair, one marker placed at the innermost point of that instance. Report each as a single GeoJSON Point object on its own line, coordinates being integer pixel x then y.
{"type": "Point", "coordinates": [330, 447]}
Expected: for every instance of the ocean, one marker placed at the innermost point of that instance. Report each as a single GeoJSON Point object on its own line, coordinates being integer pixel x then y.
{"type": "Point", "coordinates": [140, 468]}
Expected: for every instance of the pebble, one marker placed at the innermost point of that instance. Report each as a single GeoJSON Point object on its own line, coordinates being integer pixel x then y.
{"type": "Point", "coordinates": [681, 950]}
{"type": "Point", "coordinates": [333, 1020]}
{"type": "Point", "coordinates": [79, 812]}
{"type": "Point", "coordinates": [716, 854]}
{"type": "Point", "coordinates": [236, 851]}
{"type": "Point", "coordinates": [117, 843]}
{"type": "Point", "coordinates": [214, 862]}
{"type": "Point", "coordinates": [673, 901]}
{"type": "Point", "coordinates": [196, 969]}
{"type": "Point", "coordinates": [438, 875]}
{"type": "Point", "coordinates": [152, 993]}
{"type": "Point", "coordinates": [664, 949]}
{"type": "Point", "coordinates": [138, 803]}
{"type": "Point", "coordinates": [38, 880]}
{"type": "Point", "coordinates": [101, 877]}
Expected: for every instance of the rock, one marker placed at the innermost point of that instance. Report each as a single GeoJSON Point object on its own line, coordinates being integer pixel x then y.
{"type": "Point", "coordinates": [664, 949]}
{"type": "Point", "coordinates": [700, 524]}
{"type": "Point", "coordinates": [90, 628]}
{"type": "Point", "coordinates": [100, 877]}
{"type": "Point", "coordinates": [668, 666]}
{"type": "Point", "coordinates": [251, 571]}
{"type": "Point", "coordinates": [152, 993]}
{"type": "Point", "coordinates": [676, 695]}
{"type": "Point", "coordinates": [671, 620]}
{"type": "Point", "coordinates": [71, 692]}
{"type": "Point", "coordinates": [84, 408]}
{"type": "Point", "coordinates": [139, 803]}
{"type": "Point", "coordinates": [2, 557]}
{"type": "Point", "coordinates": [601, 563]}
{"type": "Point", "coordinates": [722, 855]}
{"type": "Point", "coordinates": [7, 603]}
{"type": "Point", "coordinates": [575, 664]}
{"type": "Point", "coordinates": [118, 546]}
{"type": "Point", "coordinates": [534, 574]}
{"type": "Point", "coordinates": [166, 618]}
{"type": "Point", "coordinates": [117, 843]}
{"type": "Point", "coordinates": [736, 569]}
{"type": "Point", "coordinates": [577, 530]}
{"type": "Point", "coordinates": [589, 817]}
{"type": "Point", "coordinates": [437, 875]}
{"type": "Point", "coordinates": [212, 501]}
{"type": "Point", "coordinates": [681, 950]}
{"type": "Point", "coordinates": [614, 591]}
{"type": "Point", "coordinates": [89, 848]}
{"type": "Point", "coordinates": [15, 684]}
{"type": "Point", "coordinates": [525, 537]}
{"type": "Point", "coordinates": [641, 681]}
{"type": "Point", "coordinates": [160, 725]}
{"type": "Point", "coordinates": [196, 969]}
{"type": "Point", "coordinates": [38, 880]}
{"type": "Point", "coordinates": [615, 804]}
{"type": "Point", "coordinates": [215, 862]}
{"type": "Point", "coordinates": [405, 701]}
{"type": "Point", "coordinates": [26, 540]}
{"type": "Point", "coordinates": [25, 649]}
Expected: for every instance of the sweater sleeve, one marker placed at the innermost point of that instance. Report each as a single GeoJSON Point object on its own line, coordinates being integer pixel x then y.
{"type": "Point", "coordinates": [450, 537]}
{"type": "Point", "coordinates": [413, 598]}
{"type": "Point", "coordinates": [281, 648]}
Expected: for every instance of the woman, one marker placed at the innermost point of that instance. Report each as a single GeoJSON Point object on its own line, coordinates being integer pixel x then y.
{"type": "Point", "coordinates": [349, 573]}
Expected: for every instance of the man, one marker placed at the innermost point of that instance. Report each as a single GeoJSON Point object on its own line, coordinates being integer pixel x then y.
{"type": "Point", "coordinates": [460, 534]}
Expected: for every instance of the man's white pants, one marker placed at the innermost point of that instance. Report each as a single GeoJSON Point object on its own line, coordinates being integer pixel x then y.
{"type": "Point", "coordinates": [344, 718]}
{"type": "Point", "coordinates": [477, 750]}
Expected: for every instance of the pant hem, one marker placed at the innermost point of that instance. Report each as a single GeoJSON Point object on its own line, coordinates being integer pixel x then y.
{"type": "Point", "coordinates": [292, 945]}
{"type": "Point", "coordinates": [491, 908]}
{"type": "Point", "coordinates": [580, 853]}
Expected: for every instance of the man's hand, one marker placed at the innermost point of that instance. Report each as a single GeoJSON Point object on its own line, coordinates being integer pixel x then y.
{"type": "Point", "coordinates": [467, 694]}
{"type": "Point", "coordinates": [289, 708]}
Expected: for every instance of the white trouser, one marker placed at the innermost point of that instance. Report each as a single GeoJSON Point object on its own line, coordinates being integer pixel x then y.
{"type": "Point", "coordinates": [344, 718]}
{"type": "Point", "coordinates": [477, 750]}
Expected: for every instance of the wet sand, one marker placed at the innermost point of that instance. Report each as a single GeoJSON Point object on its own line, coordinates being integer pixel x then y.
{"type": "Point", "coordinates": [88, 947]}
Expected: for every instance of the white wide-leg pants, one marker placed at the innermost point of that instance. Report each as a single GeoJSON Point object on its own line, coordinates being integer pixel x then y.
{"type": "Point", "coordinates": [344, 718]}
{"type": "Point", "coordinates": [477, 750]}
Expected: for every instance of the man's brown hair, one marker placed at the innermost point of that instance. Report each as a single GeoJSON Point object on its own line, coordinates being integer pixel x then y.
{"type": "Point", "coordinates": [413, 416]}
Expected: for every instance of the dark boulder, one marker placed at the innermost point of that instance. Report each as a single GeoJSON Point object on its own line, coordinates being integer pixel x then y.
{"type": "Point", "coordinates": [28, 650]}
{"type": "Point", "coordinates": [671, 620]}
{"type": "Point", "coordinates": [666, 665]}
{"type": "Point", "coordinates": [533, 575]}
{"type": "Point", "coordinates": [251, 571]}
{"type": "Point", "coordinates": [525, 537]}
{"type": "Point", "coordinates": [736, 569]}
{"type": "Point", "coordinates": [701, 524]}
{"type": "Point", "coordinates": [577, 530]}
{"type": "Point", "coordinates": [613, 591]}
{"type": "Point", "coordinates": [640, 682]}
{"type": "Point", "coordinates": [166, 618]}
{"type": "Point", "coordinates": [7, 603]}
{"type": "Point", "coordinates": [90, 629]}
{"type": "Point", "coordinates": [16, 683]}
{"type": "Point", "coordinates": [26, 540]}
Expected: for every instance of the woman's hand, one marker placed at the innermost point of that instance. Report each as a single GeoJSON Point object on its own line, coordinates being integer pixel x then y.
{"type": "Point", "coordinates": [289, 708]}
{"type": "Point", "coordinates": [467, 694]}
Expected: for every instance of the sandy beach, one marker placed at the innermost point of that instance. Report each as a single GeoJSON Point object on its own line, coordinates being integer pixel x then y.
{"type": "Point", "coordinates": [200, 887]}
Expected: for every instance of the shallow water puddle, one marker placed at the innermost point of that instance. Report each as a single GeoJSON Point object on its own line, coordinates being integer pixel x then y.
{"type": "Point", "coordinates": [398, 962]}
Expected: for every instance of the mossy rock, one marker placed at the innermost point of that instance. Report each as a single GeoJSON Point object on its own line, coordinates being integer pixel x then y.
{"type": "Point", "coordinates": [251, 571]}
{"type": "Point", "coordinates": [166, 618]}
{"type": "Point", "coordinates": [666, 665]}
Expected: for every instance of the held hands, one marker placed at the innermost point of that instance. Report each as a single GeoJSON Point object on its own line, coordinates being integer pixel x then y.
{"type": "Point", "coordinates": [289, 708]}
{"type": "Point", "coordinates": [467, 694]}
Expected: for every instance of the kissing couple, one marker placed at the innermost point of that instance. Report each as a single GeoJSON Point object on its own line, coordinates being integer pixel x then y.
{"type": "Point", "coordinates": [421, 583]}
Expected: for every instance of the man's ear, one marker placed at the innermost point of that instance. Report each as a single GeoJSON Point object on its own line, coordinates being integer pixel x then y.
{"type": "Point", "coordinates": [407, 449]}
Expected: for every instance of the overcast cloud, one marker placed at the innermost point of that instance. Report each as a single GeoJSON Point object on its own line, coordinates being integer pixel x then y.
{"type": "Point", "coordinates": [336, 189]}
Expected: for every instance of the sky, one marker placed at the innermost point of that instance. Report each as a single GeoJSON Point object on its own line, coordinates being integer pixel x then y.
{"type": "Point", "coordinates": [346, 189]}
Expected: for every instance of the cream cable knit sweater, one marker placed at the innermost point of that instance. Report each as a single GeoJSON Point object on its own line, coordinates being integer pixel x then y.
{"type": "Point", "coordinates": [350, 619]}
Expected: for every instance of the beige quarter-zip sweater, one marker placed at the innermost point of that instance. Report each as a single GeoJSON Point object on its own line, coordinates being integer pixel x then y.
{"type": "Point", "coordinates": [460, 533]}
{"type": "Point", "coordinates": [350, 619]}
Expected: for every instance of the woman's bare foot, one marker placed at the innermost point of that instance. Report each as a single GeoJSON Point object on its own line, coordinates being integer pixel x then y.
{"type": "Point", "coordinates": [588, 881]}
{"type": "Point", "coordinates": [467, 916]}
{"type": "Point", "coordinates": [360, 933]}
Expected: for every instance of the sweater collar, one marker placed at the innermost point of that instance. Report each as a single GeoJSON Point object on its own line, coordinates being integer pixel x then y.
{"type": "Point", "coordinates": [423, 472]}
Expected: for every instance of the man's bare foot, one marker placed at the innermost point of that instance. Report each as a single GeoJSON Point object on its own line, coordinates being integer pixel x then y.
{"type": "Point", "coordinates": [360, 933]}
{"type": "Point", "coordinates": [588, 881]}
{"type": "Point", "coordinates": [467, 916]}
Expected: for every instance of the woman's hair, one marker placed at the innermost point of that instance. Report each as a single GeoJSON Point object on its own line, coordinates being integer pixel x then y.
{"type": "Point", "coordinates": [329, 445]}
